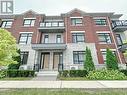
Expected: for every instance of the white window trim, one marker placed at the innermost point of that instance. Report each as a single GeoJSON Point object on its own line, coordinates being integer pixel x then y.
{"type": "Point", "coordinates": [29, 18]}
{"type": "Point", "coordinates": [99, 18]}
{"type": "Point", "coordinates": [7, 19]}
{"type": "Point", "coordinates": [25, 32]}
{"type": "Point", "coordinates": [76, 17]}
{"type": "Point", "coordinates": [103, 32]}
{"type": "Point", "coordinates": [77, 31]}
{"type": "Point", "coordinates": [105, 49]}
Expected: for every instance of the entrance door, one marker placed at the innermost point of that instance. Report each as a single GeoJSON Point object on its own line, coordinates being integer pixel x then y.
{"type": "Point", "coordinates": [58, 59]}
{"type": "Point", "coordinates": [45, 61]}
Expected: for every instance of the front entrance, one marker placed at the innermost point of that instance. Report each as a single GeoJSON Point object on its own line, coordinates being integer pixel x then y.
{"type": "Point", "coordinates": [51, 60]}
{"type": "Point", "coordinates": [45, 61]}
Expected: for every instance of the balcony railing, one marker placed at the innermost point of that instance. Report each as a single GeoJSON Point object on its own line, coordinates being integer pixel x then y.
{"type": "Point", "coordinates": [119, 25]}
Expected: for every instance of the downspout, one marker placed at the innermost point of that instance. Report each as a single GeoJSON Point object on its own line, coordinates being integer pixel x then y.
{"type": "Point", "coordinates": [110, 27]}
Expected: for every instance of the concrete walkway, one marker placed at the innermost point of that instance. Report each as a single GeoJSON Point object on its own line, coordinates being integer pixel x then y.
{"type": "Point", "coordinates": [63, 84]}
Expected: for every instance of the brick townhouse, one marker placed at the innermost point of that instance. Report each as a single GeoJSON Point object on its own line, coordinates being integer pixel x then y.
{"type": "Point", "coordinates": [54, 42]}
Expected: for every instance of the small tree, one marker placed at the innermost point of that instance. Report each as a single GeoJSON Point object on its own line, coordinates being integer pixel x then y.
{"type": "Point", "coordinates": [111, 60]}
{"type": "Point", "coordinates": [8, 48]}
{"type": "Point", "coordinates": [16, 58]}
{"type": "Point", "coordinates": [88, 64]}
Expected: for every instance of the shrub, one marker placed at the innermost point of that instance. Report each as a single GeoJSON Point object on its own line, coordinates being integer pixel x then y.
{"type": "Point", "coordinates": [88, 64]}
{"type": "Point", "coordinates": [20, 73]}
{"type": "Point", "coordinates": [3, 74]}
{"type": "Point", "coordinates": [105, 74]}
{"type": "Point", "coordinates": [124, 71]}
{"type": "Point", "coordinates": [111, 60]}
{"type": "Point", "coordinates": [74, 73]}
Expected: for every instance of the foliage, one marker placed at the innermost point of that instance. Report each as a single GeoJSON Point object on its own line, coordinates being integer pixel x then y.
{"type": "Point", "coordinates": [105, 74]}
{"type": "Point", "coordinates": [7, 48]}
{"type": "Point", "coordinates": [111, 60]}
{"type": "Point", "coordinates": [88, 64]}
{"type": "Point", "coordinates": [2, 74]}
{"type": "Point", "coordinates": [16, 58]}
{"type": "Point", "coordinates": [73, 73]}
{"type": "Point", "coordinates": [124, 71]}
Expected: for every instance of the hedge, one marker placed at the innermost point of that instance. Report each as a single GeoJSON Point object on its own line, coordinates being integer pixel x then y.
{"type": "Point", "coordinates": [18, 73]}
{"type": "Point", "coordinates": [124, 71]}
{"type": "Point", "coordinates": [74, 73]}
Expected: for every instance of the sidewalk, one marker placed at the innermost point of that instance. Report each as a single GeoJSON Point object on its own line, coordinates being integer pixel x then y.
{"type": "Point", "coordinates": [63, 84]}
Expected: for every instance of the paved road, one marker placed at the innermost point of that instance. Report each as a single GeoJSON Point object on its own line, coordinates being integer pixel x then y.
{"type": "Point", "coordinates": [63, 84]}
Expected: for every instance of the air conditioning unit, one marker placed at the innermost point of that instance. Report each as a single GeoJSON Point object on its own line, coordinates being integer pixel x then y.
{"type": "Point", "coordinates": [73, 67]}
{"type": "Point", "coordinates": [23, 67]}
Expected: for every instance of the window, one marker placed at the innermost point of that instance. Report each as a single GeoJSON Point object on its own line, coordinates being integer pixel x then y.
{"type": "Point", "coordinates": [46, 38]}
{"type": "Point", "coordinates": [76, 21]}
{"type": "Point", "coordinates": [55, 24]}
{"type": "Point", "coordinates": [24, 57]}
{"type": "Point", "coordinates": [61, 24]}
{"type": "Point", "coordinates": [25, 38]}
{"type": "Point", "coordinates": [78, 57]}
{"type": "Point", "coordinates": [104, 37]}
{"type": "Point", "coordinates": [100, 21]}
{"type": "Point", "coordinates": [58, 39]}
{"type": "Point", "coordinates": [104, 55]}
{"type": "Point", "coordinates": [119, 40]}
{"type": "Point", "coordinates": [6, 24]}
{"type": "Point", "coordinates": [78, 37]}
{"type": "Point", "coordinates": [48, 24]}
{"type": "Point", "coordinates": [29, 22]}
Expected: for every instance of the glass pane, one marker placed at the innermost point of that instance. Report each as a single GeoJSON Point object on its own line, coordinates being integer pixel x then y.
{"type": "Point", "coordinates": [32, 22]}
{"type": "Point", "coordinates": [54, 23]}
{"type": "Point", "coordinates": [27, 22]}
{"type": "Point", "coordinates": [3, 24]}
{"type": "Point", "coordinates": [29, 40]}
{"type": "Point", "coordinates": [78, 21]}
{"type": "Point", "coordinates": [80, 38]}
{"type": "Point", "coordinates": [48, 24]}
{"type": "Point", "coordinates": [74, 39]}
{"type": "Point", "coordinates": [23, 39]}
{"type": "Point", "coordinates": [73, 21]}
{"type": "Point", "coordinates": [61, 23]}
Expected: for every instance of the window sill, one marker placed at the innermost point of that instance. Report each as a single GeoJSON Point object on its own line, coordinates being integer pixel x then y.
{"type": "Point", "coordinates": [105, 43]}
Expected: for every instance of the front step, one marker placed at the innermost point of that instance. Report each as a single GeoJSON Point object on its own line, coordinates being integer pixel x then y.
{"type": "Point", "coordinates": [47, 73]}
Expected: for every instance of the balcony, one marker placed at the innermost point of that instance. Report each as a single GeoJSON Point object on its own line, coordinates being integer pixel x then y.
{"type": "Point", "coordinates": [49, 46]}
{"type": "Point", "coordinates": [119, 25]}
{"type": "Point", "coordinates": [52, 26]}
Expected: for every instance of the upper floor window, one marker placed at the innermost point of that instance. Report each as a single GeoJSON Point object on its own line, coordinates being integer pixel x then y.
{"type": "Point", "coordinates": [46, 38]}
{"type": "Point", "coordinates": [100, 21]}
{"type": "Point", "coordinates": [104, 38]}
{"type": "Point", "coordinates": [78, 57]}
{"type": "Point", "coordinates": [6, 24]}
{"type": "Point", "coordinates": [119, 39]}
{"type": "Point", "coordinates": [25, 38]}
{"type": "Point", "coordinates": [78, 37]}
{"type": "Point", "coordinates": [24, 57]}
{"type": "Point", "coordinates": [76, 21]}
{"type": "Point", "coordinates": [58, 39]}
{"type": "Point", "coordinates": [29, 22]}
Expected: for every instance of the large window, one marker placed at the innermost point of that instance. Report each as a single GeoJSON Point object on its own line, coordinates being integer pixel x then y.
{"type": "Point", "coordinates": [6, 24]}
{"type": "Point", "coordinates": [58, 39]}
{"type": "Point", "coordinates": [24, 57]}
{"type": "Point", "coordinates": [78, 37]}
{"type": "Point", "coordinates": [76, 21]}
{"type": "Point", "coordinates": [78, 57]}
{"type": "Point", "coordinates": [46, 38]}
{"type": "Point", "coordinates": [104, 38]}
{"type": "Point", "coordinates": [25, 38]}
{"type": "Point", "coordinates": [29, 22]}
{"type": "Point", "coordinates": [100, 21]}
{"type": "Point", "coordinates": [119, 40]}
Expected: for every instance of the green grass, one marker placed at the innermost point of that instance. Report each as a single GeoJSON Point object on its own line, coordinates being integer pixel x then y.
{"type": "Point", "coordinates": [16, 78]}
{"type": "Point", "coordinates": [64, 92]}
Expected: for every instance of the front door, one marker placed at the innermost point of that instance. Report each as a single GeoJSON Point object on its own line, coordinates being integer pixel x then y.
{"type": "Point", "coordinates": [45, 61]}
{"type": "Point", "coordinates": [58, 59]}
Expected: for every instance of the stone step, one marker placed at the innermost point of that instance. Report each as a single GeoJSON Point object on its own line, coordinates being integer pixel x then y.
{"type": "Point", "coordinates": [47, 73]}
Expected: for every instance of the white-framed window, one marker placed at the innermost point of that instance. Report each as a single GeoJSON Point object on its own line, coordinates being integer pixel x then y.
{"type": "Point", "coordinates": [119, 39]}
{"type": "Point", "coordinates": [6, 24]}
{"type": "Point", "coordinates": [100, 22]}
{"type": "Point", "coordinates": [78, 37]}
{"type": "Point", "coordinates": [46, 38]}
{"type": "Point", "coordinates": [25, 38]}
{"type": "Point", "coordinates": [76, 21]}
{"type": "Point", "coordinates": [104, 38]}
{"type": "Point", "coordinates": [58, 39]}
{"type": "Point", "coordinates": [28, 22]}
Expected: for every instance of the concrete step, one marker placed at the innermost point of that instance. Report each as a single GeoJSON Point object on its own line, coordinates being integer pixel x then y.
{"type": "Point", "coordinates": [47, 73]}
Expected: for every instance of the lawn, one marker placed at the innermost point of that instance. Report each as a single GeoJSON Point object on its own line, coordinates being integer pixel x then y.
{"type": "Point", "coordinates": [64, 92]}
{"type": "Point", "coordinates": [16, 78]}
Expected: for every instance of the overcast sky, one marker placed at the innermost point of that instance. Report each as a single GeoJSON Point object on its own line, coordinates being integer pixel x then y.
{"type": "Point", "coordinates": [56, 7]}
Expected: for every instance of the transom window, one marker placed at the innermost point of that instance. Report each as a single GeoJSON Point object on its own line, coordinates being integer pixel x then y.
{"type": "Point", "coordinates": [100, 21]}
{"type": "Point", "coordinates": [104, 37]}
{"type": "Point", "coordinates": [78, 37]}
{"type": "Point", "coordinates": [46, 38]}
{"type": "Point", "coordinates": [6, 24]}
{"type": "Point", "coordinates": [25, 38]}
{"type": "Point", "coordinates": [119, 39]}
{"type": "Point", "coordinates": [24, 57]}
{"type": "Point", "coordinates": [29, 22]}
{"type": "Point", "coordinates": [76, 21]}
{"type": "Point", "coordinates": [58, 39]}
{"type": "Point", "coordinates": [78, 57]}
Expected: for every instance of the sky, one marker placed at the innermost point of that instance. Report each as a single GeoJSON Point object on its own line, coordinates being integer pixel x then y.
{"type": "Point", "coordinates": [56, 7]}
